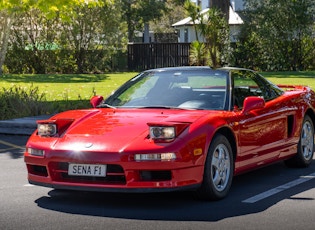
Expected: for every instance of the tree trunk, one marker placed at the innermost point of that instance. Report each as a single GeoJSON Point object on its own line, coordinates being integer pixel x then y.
{"type": "Point", "coordinates": [5, 28]}
{"type": "Point", "coordinates": [223, 5]}
{"type": "Point", "coordinates": [146, 33]}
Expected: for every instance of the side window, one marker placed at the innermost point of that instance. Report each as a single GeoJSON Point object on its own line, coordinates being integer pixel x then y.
{"type": "Point", "coordinates": [244, 86]}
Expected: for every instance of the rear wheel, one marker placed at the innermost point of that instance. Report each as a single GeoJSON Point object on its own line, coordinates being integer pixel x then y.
{"type": "Point", "coordinates": [305, 152]}
{"type": "Point", "coordinates": [218, 170]}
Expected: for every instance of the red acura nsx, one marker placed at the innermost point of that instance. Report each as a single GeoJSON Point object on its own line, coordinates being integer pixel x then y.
{"type": "Point", "coordinates": [167, 129]}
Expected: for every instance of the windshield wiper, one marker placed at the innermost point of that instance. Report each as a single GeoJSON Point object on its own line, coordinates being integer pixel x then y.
{"type": "Point", "coordinates": [105, 106]}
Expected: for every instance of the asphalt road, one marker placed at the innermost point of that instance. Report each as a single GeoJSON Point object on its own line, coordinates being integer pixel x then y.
{"type": "Point", "coordinates": [274, 197]}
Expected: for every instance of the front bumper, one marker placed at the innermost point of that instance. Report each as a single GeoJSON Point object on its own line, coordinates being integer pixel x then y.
{"type": "Point", "coordinates": [121, 176]}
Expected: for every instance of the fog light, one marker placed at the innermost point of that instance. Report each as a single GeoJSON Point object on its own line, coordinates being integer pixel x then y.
{"type": "Point", "coordinates": [155, 157]}
{"type": "Point", "coordinates": [35, 152]}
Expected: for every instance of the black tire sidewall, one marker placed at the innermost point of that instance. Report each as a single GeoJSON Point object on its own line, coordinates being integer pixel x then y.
{"type": "Point", "coordinates": [301, 159]}
{"type": "Point", "coordinates": [208, 189]}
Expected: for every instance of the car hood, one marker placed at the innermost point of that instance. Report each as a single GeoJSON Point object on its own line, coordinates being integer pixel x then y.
{"type": "Point", "coordinates": [115, 130]}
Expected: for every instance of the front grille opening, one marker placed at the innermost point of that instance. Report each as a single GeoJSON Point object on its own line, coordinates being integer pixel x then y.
{"type": "Point", "coordinates": [114, 179]}
{"type": "Point", "coordinates": [155, 175]}
{"type": "Point", "coordinates": [114, 175]}
{"type": "Point", "coordinates": [37, 170]}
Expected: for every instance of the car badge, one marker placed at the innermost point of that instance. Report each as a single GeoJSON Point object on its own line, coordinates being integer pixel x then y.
{"type": "Point", "coordinates": [88, 145]}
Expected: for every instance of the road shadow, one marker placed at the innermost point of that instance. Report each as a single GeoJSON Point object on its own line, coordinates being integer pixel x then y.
{"type": "Point", "coordinates": [181, 206]}
{"type": "Point", "coordinates": [13, 153]}
{"type": "Point", "coordinates": [12, 148]}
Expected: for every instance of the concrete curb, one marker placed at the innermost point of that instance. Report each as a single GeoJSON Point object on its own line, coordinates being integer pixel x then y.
{"type": "Point", "coordinates": [21, 126]}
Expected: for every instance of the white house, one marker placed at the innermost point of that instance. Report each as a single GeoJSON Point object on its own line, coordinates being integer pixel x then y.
{"type": "Point", "coordinates": [186, 30]}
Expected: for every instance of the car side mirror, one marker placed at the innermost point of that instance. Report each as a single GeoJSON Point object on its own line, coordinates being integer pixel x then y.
{"type": "Point", "coordinates": [252, 103]}
{"type": "Point", "coordinates": [96, 100]}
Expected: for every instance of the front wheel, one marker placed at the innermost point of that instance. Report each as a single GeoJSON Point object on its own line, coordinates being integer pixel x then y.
{"type": "Point", "coordinates": [305, 152]}
{"type": "Point", "coordinates": [218, 170]}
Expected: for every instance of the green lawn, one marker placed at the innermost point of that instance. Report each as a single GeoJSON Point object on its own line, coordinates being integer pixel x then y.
{"type": "Point", "coordinates": [83, 86]}
{"type": "Point", "coordinates": [73, 91]}
{"type": "Point", "coordinates": [58, 87]}
{"type": "Point", "coordinates": [292, 78]}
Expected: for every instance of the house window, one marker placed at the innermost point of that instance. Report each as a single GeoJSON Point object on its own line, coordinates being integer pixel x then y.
{"type": "Point", "coordinates": [177, 33]}
{"type": "Point", "coordinates": [186, 35]}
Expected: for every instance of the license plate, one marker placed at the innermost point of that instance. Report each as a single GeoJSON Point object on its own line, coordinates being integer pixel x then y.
{"type": "Point", "coordinates": [87, 170]}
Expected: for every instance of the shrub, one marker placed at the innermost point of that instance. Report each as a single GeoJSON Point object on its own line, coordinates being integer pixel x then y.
{"type": "Point", "coordinates": [198, 54]}
{"type": "Point", "coordinates": [19, 102]}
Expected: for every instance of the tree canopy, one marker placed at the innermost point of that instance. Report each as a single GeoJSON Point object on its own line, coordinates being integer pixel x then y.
{"type": "Point", "coordinates": [137, 13]}
{"type": "Point", "coordinates": [277, 34]}
{"type": "Point", "coordinates": [9, 9]}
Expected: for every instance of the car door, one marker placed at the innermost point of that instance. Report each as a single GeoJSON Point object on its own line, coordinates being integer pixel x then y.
{"type": "Point", "coordinates": [262, 131]}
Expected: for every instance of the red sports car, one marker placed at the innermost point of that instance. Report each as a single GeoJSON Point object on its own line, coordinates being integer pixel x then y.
{"type": "Point", "coordinates": [172, 129]}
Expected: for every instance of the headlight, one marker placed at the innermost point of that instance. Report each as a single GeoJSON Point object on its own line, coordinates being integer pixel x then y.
{"type": "Point", "coordinates": [162, 132]}
{"type": "Point", "coordinates": [155, 157]}
{"type": "Point", "coordinates": [53, 128]}
{"type": "Point", "coordinates": [47, 130]}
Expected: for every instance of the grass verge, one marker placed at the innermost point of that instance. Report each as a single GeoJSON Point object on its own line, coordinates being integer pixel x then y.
{"type": "Point", "coordinates": [292, 78]}
{"type": "Point", "coordinates": [30, 95]}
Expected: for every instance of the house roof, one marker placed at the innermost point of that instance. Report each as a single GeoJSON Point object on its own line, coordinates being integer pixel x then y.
{"type": "Point", "coordinates": [234, 19]}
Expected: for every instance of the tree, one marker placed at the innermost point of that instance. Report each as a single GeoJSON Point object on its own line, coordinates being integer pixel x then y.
{"type": "Point", "coordinates": [32, 40]}
{"type": "Point", "coordinates": [198, 54]}
{"type": "Point", "coordinates": [215, 30]}
{"type": "Point", "coordinates": [5, 25]}
{"type": "Point", "coordinates": [280, 31]}
{"type": "Point", "coordinates": [9, 9]}
{"type": "Point", "coordinates": [95, 35]}
{"type": "Point", "coordinates": [140, 13]}
{"type": "Point", "coordinates": [193, 11]}
{"type": "Point", "coordinates": [89, 41]}
{"type": "Point", "coordinates": [223, 6]}
{"type": "Point", "coordinates": [163, 30]}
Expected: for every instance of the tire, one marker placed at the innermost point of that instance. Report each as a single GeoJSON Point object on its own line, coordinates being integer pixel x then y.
{"type": "Point", "coordinates": [305, 151]}
{"type": "Point", "coordinates": [218, 170]}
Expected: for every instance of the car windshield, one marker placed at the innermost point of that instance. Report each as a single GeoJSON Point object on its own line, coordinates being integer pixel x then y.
{"type": "Point", "coordinates": [182, 89]}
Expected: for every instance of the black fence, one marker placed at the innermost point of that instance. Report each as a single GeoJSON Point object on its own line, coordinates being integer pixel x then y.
{"type": "Point", "coordinates": [156, 55]}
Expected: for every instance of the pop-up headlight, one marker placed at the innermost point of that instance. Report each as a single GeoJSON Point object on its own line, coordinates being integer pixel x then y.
{"type": "Point", "coordinates": [47, 130]}
{"type": "Point", "coordinates": [53, 128]}
{"type": "Point", "coordinates": [166, 131]}
{"type": "Point", "coordinates": [160, 132]}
